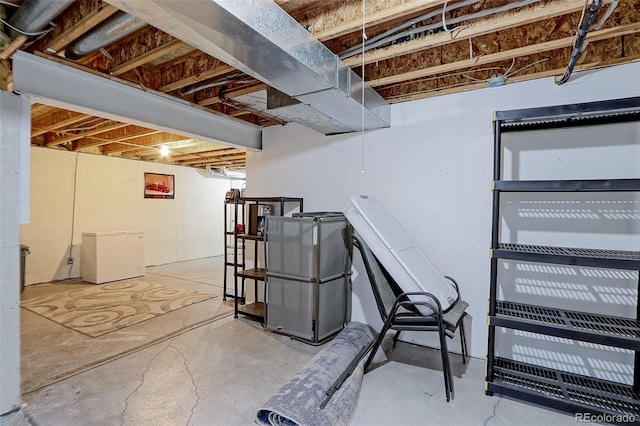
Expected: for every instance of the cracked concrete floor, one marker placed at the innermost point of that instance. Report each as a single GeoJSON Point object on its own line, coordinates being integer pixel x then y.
{"type": "Point", "coordinates": [220, 373]}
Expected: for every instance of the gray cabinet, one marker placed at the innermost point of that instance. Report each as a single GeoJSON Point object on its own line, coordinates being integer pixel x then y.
{"type": "Point", "coordinates": [307, 271]}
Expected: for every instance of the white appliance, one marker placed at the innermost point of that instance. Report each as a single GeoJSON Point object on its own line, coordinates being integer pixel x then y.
{"type": "Point", "coordinates": [112, 256]}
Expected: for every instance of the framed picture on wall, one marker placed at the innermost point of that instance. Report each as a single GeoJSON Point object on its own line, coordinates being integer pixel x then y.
{"type": "Point", "coordinates": [157, 185]}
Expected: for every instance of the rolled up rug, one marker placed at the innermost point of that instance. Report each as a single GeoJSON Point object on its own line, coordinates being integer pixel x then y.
{"type": "Point", "coordinates": [298, 402]}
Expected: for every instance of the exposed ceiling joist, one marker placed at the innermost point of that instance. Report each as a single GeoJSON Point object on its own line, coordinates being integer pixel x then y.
{"type": "Point", "coordinates": [234, 93]}
{"type": "Point", "coordinates": [122, 134]}
{"type": "Point", "coordinates": [101, 129]}
{"type": "Point", "coordinates": [413, 55]}
{"type": "Point", "coordinates": [525, 16]}
{"type": "Point", "coordinates": [141, 142]}
{"type": "Point", "coordinates": [383, 14]}
{"type": "Point", "coordinates": [196, 78]}
{"type": "Point", "coordinates": [147, 57]}
{"type": "Point", "coordinates": [39, 128]}
{"type": "Point", "coordinates": [81, 27]}
{"type": "Point", "coordinates": [506, 55]}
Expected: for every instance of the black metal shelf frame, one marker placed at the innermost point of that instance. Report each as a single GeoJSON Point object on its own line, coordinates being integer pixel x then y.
{"type": "Point", "coordinates": [541, 385]}
{"type": "Point", "coordinates": [596, 258]}
{"type": "Point", "coordinates": [595, 328]}
{"type": "Point", "coordinates": [594, 185]}
{"type": "Point", "coordinates": [256, 274]}
{"type": "Point", "coordinates": [563, 390]}
{"type": "Point", "coordinates": [237, 254]}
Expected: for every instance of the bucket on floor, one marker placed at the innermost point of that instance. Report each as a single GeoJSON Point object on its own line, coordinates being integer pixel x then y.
{"type": "Point", "coordinates": [24, 251]}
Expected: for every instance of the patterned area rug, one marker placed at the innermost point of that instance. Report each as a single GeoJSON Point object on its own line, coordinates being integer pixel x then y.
{"type": "Point", "coordinates": [101, 309]}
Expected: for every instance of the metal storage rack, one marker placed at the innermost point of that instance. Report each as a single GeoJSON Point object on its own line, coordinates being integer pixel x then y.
{"type": "Point", "coordinates": [233, 254]}
{"type": "Point", "coordinates": [539, 384]}
{"type": "Point", "coordinates": [243, 206]}
{"type": "Point", "coordinates": [308, 270]}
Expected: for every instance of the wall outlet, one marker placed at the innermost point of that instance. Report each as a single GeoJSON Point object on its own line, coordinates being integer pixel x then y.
{"type": "Point", "coordinates": [70, 260]}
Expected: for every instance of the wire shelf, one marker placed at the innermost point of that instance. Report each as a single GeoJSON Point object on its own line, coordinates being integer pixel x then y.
{"type": "Point", "coordinates": [583, 393]}
{"type": "Point", "coordinates": [620, 331]}
{"type": "Point", "coordinates": [602, 258]}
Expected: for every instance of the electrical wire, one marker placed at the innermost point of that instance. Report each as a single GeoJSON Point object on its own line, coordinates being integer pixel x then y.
{"type": "Point", "coordinates": [435, 89]}
{"type": "Point", "coordinates": [443, 76]}
{"type": "Point", "coordinates": [8, 3]}
{"type": "Point", "coordinates": [387, 34]}
{"type": "Point", "coordinates": [444, 19]}
{"type": "Point", "coordinates": [73, 213]}
{"type": "Point", "coordinates": [99, 120]}
{"type": "Point", "coordinates": [526, 66]}
{"type": "Point", "coordinates": [378, 41]}
{"type": "Point", "coordinates": [24, 32]}
{"type": "Point", "coordinates": [513, 62]}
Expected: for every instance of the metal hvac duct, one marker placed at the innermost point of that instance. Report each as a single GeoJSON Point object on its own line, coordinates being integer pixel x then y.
{"type": "Point", "coordinates": [118, 26]}
{"type": "Point", "coordinates": [34, 15]}
{"type": "Point", "coordinates": [262, 40]}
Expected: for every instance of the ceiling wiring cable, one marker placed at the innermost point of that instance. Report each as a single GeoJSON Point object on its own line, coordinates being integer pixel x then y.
{"type": "Point", "coordinates": [444, 19]}
{"type": "Point", "coordinates": [421, 80]}
{"type": "Point", "coordinates": [438, 25]}
{"type": "Point", "coordinates": [8, 3]}
{"type": "Point", "coordinates": [513, 62]}
{"type": "Point", "coordinates": [356, 49]}
{"type": "Point", "coordinates": [37, 33]}
{"type": "Point", "coordinates": [526, 66]}
{"type": "Point", "coordinates": [435, 89]}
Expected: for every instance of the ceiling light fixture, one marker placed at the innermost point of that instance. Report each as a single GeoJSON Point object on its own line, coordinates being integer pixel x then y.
{"type": "Point", "coordinates": [164, 150]}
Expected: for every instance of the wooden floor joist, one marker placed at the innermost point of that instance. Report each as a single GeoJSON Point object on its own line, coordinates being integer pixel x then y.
{"type": "Point", "coordinates": [193, 79]}
{"type": "Point", "coordinates": [504, 55]}
{"type": "Point", "coordinates": [81, 27]}
{"type": "Point", "coordinates": [60, 124]}
{"type": "Point", "coordinates": [334, 28]}
{"type": "Point", "coordinates": [70, 138]}
{"type": "Point", "coordinates": [498, 23]}
{"type": "Point", "coordinates": [147, 57]}
{"type": "Point", "coordinates": [233, 94]}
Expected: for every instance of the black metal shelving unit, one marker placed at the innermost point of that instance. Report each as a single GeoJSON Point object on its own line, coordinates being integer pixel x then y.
{"type": "Point", "coordinates": [539, 384]}
{"type": "Point", "coordinates": [233, 253]}
{"type": "Point", "coordinates": [242, 206]}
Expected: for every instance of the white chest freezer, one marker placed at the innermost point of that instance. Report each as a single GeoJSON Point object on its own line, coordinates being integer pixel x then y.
{"type": "Point", "coordinates": [112, 256]}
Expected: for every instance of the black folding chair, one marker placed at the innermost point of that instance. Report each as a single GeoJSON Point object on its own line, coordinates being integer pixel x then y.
{"type": "Point", "coordinates": [399, 312]}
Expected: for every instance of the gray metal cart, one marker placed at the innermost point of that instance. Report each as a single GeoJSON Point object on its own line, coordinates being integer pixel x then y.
{"type": "Point", "coordinates": [308, 291]}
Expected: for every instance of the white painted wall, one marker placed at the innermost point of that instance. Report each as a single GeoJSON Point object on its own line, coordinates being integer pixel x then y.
{"type": "Point", "coordinates": [108, 196]}
{"type": "Point", "coordinates": [432, 169]}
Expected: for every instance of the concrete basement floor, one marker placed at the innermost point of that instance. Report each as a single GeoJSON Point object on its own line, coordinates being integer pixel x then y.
{"type": "Point", "coordinates": [220, 371]}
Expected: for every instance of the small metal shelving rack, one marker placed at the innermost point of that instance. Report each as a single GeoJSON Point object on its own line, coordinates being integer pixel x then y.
{"type": "Point", "coordinates": [549, 387]}
{"type": "Point", "coordinates": [233, 254]}
{"type": "Point", "coordinates": [241, 235]}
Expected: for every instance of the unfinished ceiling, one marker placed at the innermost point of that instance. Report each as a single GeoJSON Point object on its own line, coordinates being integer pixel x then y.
{"type": "Point", "coordinates": [413, 49]}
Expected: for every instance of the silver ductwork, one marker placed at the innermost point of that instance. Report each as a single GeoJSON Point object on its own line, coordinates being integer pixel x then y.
{"type": "Point", "coordinates": [34, 15]}
{"type": "Point", "coordinates": [262, 40]}
{"type": "Point", "coordinates": [117, 27]}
